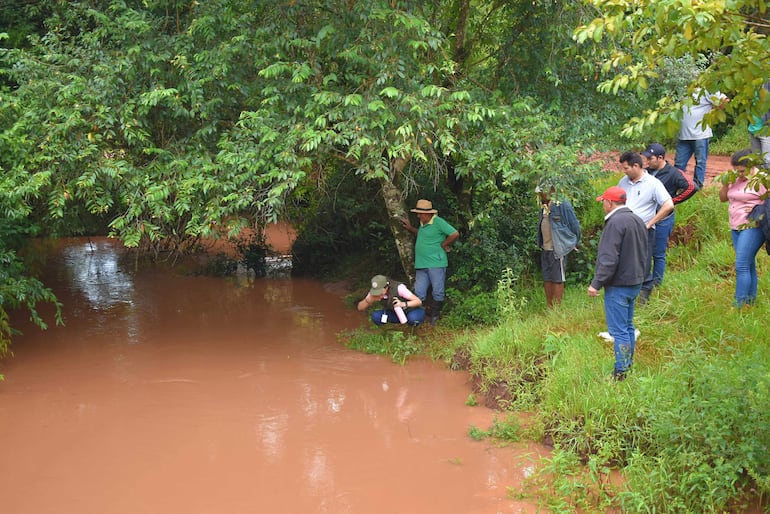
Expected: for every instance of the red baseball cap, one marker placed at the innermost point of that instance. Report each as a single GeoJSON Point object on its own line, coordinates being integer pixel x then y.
{"type": "Point", "coordinates": [613, 194]}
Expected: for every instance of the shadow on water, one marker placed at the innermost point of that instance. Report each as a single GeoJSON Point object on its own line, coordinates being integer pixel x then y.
{"type": "Point", "coordinates": [167, 393]}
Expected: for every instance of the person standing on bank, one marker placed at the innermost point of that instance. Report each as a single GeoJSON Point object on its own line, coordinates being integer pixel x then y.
{"type": "Point", "coordinates": [759, 131]}
{"type": "Point", "coordinates": [392, 296]}
{"type": "Point", "coordinates": [680, 187]}
{"type": "Point", "coordinates": [695, 134]}
{"type": "Point", "coordinates": [434, 239]}
{"type": "Point", "coordinates": [648, 199]}
{"type": "Point", "coordinates": [746, 235]}
{"type": "Point", "coordinates": [557, 235]}
{"type": "Point", "coordinates": [620, 269]}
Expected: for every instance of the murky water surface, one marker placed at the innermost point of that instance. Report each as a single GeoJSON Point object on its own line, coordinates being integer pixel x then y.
{"type": "Point", "coordinates": [170, 394]}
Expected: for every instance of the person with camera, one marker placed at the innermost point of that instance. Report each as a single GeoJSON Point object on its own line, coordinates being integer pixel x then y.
{"type": "Point", "coordinates": [397, 304]}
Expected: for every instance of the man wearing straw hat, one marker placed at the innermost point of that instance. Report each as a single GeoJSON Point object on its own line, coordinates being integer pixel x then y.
{"type": "Point", "coordinates": [434, 237]}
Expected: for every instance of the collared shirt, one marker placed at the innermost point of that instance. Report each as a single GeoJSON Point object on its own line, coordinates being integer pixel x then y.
{"type": "Point", "coordinates": [428, 252]}
{"type": "Point", "coordinates": [645, 196]}
{"type": "Point", "coordinates": [692, 126]}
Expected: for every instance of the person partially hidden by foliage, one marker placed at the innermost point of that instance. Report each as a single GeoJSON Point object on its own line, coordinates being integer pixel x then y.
{"type": "Point", "coordinates": [393, 297]}
{"type": "Point", "coordinates": [558, 233]}
{"type": "Point", "coordinates": [621, 267]}
{"type": "Point", "coordinates": [748, 238]}
{"type": "Point", "coordinates": [434, 237]}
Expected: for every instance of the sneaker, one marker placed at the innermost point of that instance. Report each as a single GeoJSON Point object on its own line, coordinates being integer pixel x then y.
{"type": "Point", "coordinates": [607, 337]}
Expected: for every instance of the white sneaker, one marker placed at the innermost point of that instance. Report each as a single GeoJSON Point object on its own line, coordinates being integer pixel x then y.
{"type": "Point", "coordinates": [607, 337]}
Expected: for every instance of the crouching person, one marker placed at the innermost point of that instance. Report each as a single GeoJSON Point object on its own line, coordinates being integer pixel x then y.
{"type": "Point", "coordinates": [397, 303]}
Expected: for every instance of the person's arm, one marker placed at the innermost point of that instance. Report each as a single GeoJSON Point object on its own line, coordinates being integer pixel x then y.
{"type": "Point", "coordinates": [572, 221]}
{"type": "Point", "coordinates": [723, 191]}
{"type": "Point", "coordinates": [665, 209]}
{"type": "Point", "coordinates": [451, 238]}
{"type": "Point", "coordinates": [412, 300]}
{"type": "Point", "coordinates": [408, 225]}
{"type": "Point", "coordinates": [366, 302]}
{"type": "Point", "coordinates": [685, 187]}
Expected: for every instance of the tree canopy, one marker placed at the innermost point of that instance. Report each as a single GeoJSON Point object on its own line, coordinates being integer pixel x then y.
{"type": "Point", "coordinates": [162, 122]}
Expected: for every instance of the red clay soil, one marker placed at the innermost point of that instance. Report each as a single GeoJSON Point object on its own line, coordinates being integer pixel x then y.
{"type": "Point", "coordinates": [715, 165]}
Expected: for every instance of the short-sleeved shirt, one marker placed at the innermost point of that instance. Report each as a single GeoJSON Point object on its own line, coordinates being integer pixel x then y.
{"type": "Point", "coordinates": [645, 196]}
{"type": "Point", "coordinates": [742, 199]}
{"type": "Point", "coordinates": [692, 116]}
{"type": "Point", "coordinates": [428, 252]}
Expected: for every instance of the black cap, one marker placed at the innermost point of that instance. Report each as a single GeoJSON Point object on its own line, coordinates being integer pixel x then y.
{"type": "Point", "coordinates": [654, 149]}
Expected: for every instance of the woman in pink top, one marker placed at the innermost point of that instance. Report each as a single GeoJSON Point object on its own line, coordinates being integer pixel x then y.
{"type": "Point", "coordinates": [747, 237]}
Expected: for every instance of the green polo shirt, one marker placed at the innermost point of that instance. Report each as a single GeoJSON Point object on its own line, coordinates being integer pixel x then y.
{"type": "Point", "coordinates": [428, 252]}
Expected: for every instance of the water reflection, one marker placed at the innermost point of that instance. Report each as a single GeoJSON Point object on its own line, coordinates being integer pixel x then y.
{"type": "Point", "coordinates": [240, 398]}
{"type": "Point", "coordinates": [94, 271]}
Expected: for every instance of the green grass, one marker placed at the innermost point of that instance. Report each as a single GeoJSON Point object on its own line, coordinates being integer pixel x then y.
{"type": "Point", "coordinates": [688, 428]}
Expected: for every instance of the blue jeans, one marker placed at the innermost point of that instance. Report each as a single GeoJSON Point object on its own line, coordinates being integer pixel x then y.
{"type": "Point", "coordinates": [413, 316]}
{"type": "Point", "coordinates": [686, 148]}
{"type": "Point", "coordinates": [434, 277]}
{"type": "Point", "coordinates": [663, 231]}
{"type": "Point", "coordinates": [619, 313]}
{"type": "Point", "coordinates": [761, 145]}
{"type": "Point", "coordinates": [746, 243]}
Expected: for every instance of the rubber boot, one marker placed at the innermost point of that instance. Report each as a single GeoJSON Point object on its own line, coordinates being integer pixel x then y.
{"type": "Point", "coordinates": [435, 311]}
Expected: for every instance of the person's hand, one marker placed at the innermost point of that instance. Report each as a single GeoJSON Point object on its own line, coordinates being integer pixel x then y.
{"type": "Point", "coordinates": [592, 291]}
{"type": "Point", "coordinates": [446, 248]}
{"type": "Point", "coordinates": [397, 303]}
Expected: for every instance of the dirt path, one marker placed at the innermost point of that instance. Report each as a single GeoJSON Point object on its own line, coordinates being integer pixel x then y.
{"type": "Point", "coordinates": [715, 165]}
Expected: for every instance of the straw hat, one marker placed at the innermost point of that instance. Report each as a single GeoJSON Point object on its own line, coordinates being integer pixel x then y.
{"type": "Point", "coordinates": [424, 206]}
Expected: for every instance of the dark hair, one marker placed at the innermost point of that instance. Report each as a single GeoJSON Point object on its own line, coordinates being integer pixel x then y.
{"type": "Point", "coordinates": [739, 157]}
{"type": "Point", "coordinates": [632, 158]}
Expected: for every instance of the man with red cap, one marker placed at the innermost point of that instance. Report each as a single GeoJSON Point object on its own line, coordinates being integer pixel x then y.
{"type": "Point", "coordinates": [620, 270]}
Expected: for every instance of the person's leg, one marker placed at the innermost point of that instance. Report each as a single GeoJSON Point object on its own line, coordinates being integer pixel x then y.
{"type": "Point", "coordinates": [764, 148]}
{"type": "Point", "coordinates": [761, 145]}
{"type": "Point", "coordinates": [380, 317]}
{"type": "Point", "coordinates": [548, 288]}
{"type": "Point", "coordinates": [701, 150]}
{"type": "Point", "coordinates": [558, 293]}
{"type": "Point", "coordinates": [746, 243]}
{"type": "Point", "coordinates": [437, 279]}
{"type": "Point", "coordinates": [662, 233]}
{"type": "Point", "coordinates": [421, 283]}
{"type": "Point", "coordinates": [553, 277]}
{"type": "Point", "coordinates": [415, 316]}
{"type": "Point", "coordinates": [684, 150]}
{"type": "Point", "coordinates": [547, 284]}
{"type": "Point", "coordinates": [619, 311]}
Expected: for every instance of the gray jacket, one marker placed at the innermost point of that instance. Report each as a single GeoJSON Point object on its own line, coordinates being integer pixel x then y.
{"type": "Point", "coordinates": [622, 255]}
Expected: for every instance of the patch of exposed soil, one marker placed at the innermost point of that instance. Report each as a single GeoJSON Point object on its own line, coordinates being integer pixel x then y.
{"type": "Point", "coordinates": [715, 165]}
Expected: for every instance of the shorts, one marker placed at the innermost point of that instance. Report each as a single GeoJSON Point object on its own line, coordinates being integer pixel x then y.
{"type": "Point", "coordinates": [554, 270]}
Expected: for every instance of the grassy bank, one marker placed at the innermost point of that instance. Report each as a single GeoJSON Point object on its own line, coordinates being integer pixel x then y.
{"type": "Point", "coordinates": [688, 428]}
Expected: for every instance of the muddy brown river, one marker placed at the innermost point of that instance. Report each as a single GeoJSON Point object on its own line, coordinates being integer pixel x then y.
{"type": "Point", "coordinates": [166, 393]}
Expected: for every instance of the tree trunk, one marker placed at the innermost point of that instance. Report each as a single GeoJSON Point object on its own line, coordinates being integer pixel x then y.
{"type": "Point", "coordinates": [396, 209]}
